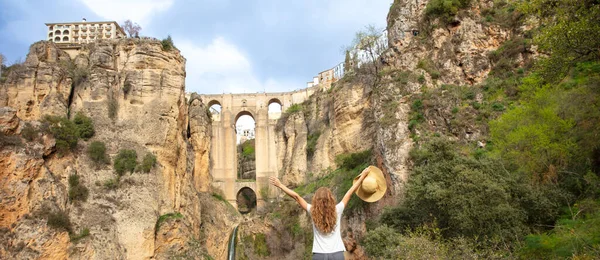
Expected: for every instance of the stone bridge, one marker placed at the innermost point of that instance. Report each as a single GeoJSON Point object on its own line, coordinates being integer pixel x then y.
{"type": "Point", "coordinates": [223, 149]}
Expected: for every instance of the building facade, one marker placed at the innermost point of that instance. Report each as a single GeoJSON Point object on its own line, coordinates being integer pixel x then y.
{"type": "Point", "coordinates": [83, 32]}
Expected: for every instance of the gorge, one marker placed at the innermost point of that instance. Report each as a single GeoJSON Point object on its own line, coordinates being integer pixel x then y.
{"type": "Point", "coordinates": [436, 102]}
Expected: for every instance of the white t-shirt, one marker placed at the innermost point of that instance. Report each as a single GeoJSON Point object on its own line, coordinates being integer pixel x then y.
{"type": "Point", "coordinates": [332, 242]}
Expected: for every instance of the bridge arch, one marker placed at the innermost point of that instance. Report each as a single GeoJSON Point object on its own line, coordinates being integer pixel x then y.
{"type": "Point", "coordinates": [244, 113]}
{"type": "Point", "coordinates": [223, 151]}
{"type": "Point", "coordinates": [246, 199]}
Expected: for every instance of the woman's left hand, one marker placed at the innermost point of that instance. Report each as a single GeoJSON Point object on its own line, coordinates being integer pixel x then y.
{"type": "Point", "coordinates": [274, 181]}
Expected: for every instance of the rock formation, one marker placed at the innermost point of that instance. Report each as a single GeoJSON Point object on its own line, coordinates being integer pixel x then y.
{"type": "Point", "coordinates": [134, 93]}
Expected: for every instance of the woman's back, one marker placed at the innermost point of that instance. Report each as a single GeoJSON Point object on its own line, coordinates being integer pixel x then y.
{"type": "Point", "coordinates": [332, 242]}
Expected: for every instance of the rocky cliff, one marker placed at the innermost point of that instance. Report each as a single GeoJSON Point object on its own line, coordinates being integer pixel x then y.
{"type": "Point", "coordinates": [366, 110]}
{"type": "Point", "coordinates": [133, 91]}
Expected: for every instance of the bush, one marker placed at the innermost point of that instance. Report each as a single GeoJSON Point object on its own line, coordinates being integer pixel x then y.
{"type": "Point", "coordinates": [468, 197]}
{"type": "Point", "coordinates": [65, 132]}
{"type": "Point", "coordinates": [84, 125]}
{"type": "Point", "coordinates": [77, 192]}
{"type": "Point", "coordinates": [126, 161]}
{"type": "Point", "coordinates": [381, 243]}
{"type": "Point", "coordinates": [112, 184]}
{"type": "Point", "coordinates": [148, 162]}
{"type": "Point", "coordinates": [352, 160]}
{"type": "Point", "coordinates": [29, 132]}
{"type": "Point", "coordinates": [294, 108]}
{"type": "Point", "coordinates": [445, 9]}
{"type": "Point", "coordinates": [82, 234]}
{"type": "Point", "coordinates": [167, 43]}
{"type": "Point", "coordinates": [573, 237]}
{"type": "Point", "coordinates": [59, 220]}
{"type": "Point", "coordinates": [97, 152]}
{"type": "Point", "coordinates": [260, 245]}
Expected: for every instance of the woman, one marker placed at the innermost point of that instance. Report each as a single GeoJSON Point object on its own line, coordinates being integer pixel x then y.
{"type": "Point", "coordinates": [326, 217]}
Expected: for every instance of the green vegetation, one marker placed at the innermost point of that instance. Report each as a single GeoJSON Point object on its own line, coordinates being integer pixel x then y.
{"type": "Point", "coordinates": [572, 235]}
{"type": "Point", "coordinates": [164, 218]}
{"type": "Point", "coordinates": [77, 191]}
{"type": "Point", "coordinates": [84, 125]}
{"type": "Point", "coordinates": [29, 132]}
{"type": "Point", "coordinates": [259, 243]}
{"type": "Point", "coordinates": [148, 162]}
{"type": "Point", "coordinates": [97, 152]}
{"type": "Point", "coordinates": [167, 44]}
{"type": "Point", "coordinates": [247, 149]}
{"type": "Point", "coordinates": [445, 9]}
{"type": "Point", "coordinates": [294, 108]}
{"type": "Point", "coordinates": [77, 74]}
{"type": "Point", "coordinates": [64, 131]}
{"type": "Point", "coordinates": [67, 132]}
{"type": "Point", "coordinates": [126, 161]}
{"type": "Point", "coordinates": [112, 184]}
{"type": "Point", "coordinates": [83, 233]}
{"type": "Point", "coordinates": [59, 220]}
{"type": "Point", "coordinates": [311, 143]}
{"type": "Point", "coordinates": [429, 67]}
{"type": "Point", "coordinates": [532, 190]}
{"type": "Point", "coordinates": [570, 34]}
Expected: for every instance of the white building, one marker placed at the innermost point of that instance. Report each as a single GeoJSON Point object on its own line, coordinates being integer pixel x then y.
{"type": "Point", "coordinates": [83, 32]}
{"type": "Point", "coordinates": [338, 71]}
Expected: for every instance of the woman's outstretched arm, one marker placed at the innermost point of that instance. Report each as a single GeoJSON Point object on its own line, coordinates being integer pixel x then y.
{"type": "Point", "coordinates": [354, 187]}
{"type": "Point", "coordinates": [275, 182]}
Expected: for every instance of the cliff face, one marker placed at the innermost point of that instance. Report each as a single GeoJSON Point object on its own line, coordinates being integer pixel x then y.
{"type": "Point", "coordinates": [134, 93]}
{"type": "Point", "coordinates": [367, 110]}
{"type": "Point", "coordinates": [328, 124]}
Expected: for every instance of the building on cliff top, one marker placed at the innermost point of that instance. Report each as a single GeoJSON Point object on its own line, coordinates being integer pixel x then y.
{"type": "Point", "coordinates": [83, 32]}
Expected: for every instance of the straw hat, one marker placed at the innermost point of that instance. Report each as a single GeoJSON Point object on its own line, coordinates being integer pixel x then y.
{"type": "Point", "coordinates": [373, 186]}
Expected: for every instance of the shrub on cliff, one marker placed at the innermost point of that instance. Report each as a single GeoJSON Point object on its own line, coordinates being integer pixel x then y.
{"type": "Point", "coordinates": [148, 162]}
{"type": "Point", "coordinates": [29, 132]}
{"type": "Point", "coordinates": [473, 198]}
{"type": "Point", "coordinates": [167, 43]}
{"type": "Point", "coordinates": [97, 152]}
{"type": "Point", "coordinates": [77, 191]}
{"type": "Point", "coordinates": [445, 9]}
{"type": "Point", "coordinates": [64, 131]}
{"type": "Point", "coordinates": [59, 220]}
{"type": "Point", "coordinates": [125, 161]}
{"type": "Point", "coordinates": [84, 125]}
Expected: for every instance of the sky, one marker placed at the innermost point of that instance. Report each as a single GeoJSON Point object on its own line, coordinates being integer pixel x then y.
{"type": "Point", "coordinates": [231, 46]}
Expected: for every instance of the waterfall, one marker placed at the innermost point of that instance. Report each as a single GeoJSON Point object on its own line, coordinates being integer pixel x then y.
{"type": "Point", "coordinates": [231, 245]}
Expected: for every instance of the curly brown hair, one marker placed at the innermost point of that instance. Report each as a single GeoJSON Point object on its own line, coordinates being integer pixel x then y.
{"type": "Point", "coordinates": [323, 210]}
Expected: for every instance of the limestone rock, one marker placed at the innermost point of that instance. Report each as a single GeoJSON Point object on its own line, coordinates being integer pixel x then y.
{"type": "Point", "coordinates": [40, 86]}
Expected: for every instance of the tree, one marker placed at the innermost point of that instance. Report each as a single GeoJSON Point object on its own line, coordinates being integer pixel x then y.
{"type": "Point", "coordinates": [570, 33]}
{"type": "Point", "coordinates": [368, 45]}
{"type": "Point", "coordinates": [133, 29]}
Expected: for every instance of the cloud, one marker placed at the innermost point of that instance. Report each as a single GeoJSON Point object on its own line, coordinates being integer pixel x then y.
{"type": "Point", "coordinates": [221, 67]}
{"type": "Point", "coordinates": [120, 10]}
